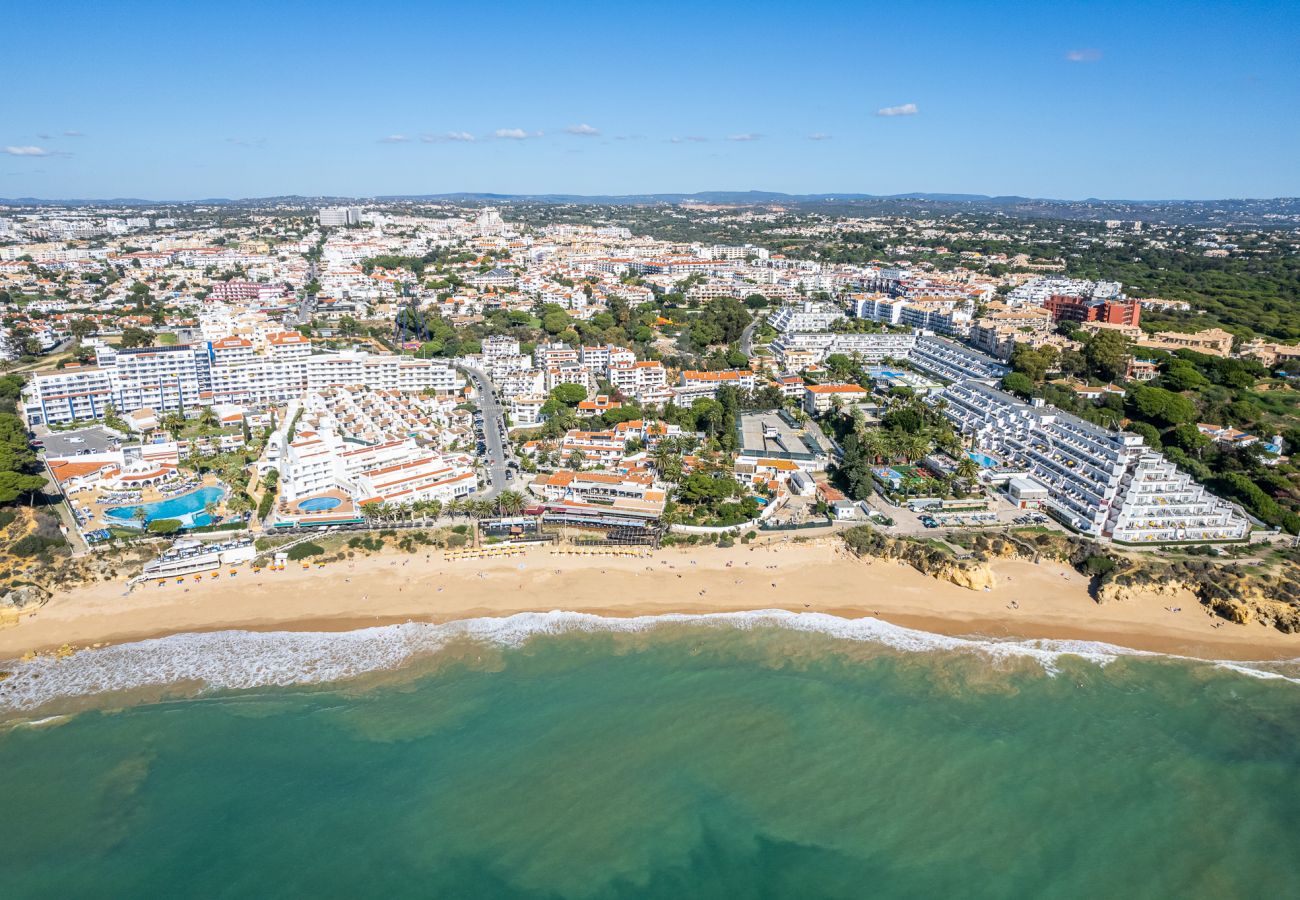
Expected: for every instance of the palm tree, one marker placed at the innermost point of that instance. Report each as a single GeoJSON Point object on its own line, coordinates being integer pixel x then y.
{"type": "Point", "coordinates": [670, 469]}
{"type": "Point", "coordinates": [913, 447]}
{"type": "Point", "coordinates": [661, 454]}
{"type": "Point", "coordinates": [208, 418]}
{"type": "Point", "coordinates": [174, 423]}
{"type": "Point", "coordinates": [967, 469]}
{"type": "Point", "coordinates": [874, 443]}
{"type": "Point", "coordinates": [576, 459]}
{"type": "Point", "coordinates": [481, 509]}
{"type": "Point", "coordinates": [455, 506]}
{"type": "Point", "coordinates": [511, 503]}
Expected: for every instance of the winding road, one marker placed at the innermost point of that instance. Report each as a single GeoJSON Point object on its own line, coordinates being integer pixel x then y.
{"type": "Point", "coordinates": [747, 336]}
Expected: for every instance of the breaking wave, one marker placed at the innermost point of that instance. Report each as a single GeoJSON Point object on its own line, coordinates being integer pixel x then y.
{"type": "Point", "coordinates": [233, 660]}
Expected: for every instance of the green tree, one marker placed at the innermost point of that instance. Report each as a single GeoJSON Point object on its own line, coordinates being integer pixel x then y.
{"type": "Point", "coordinates": [1018, 383]}
{"type": "Point", "coordinates": [1106, 354]}
{"type": "Point", "coordinates": [1160, 406]}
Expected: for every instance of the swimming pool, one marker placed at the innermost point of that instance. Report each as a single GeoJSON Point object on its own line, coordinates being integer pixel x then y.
{"type": "Point", "coordinates": [189, 508]}
{"type": "Point", "coordinates": [984, 460]}
{"type": "Point", "coordinates": [318, 504]}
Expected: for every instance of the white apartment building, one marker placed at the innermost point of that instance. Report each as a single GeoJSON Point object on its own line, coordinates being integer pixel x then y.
{"type": "Point", "coordinates": [643, 380]}
{"type": "Point", "coordinates": [1037, 291]}
{"type": "Point", "coordinates": [1099, 482]}
{"type": "Point", "coordinates": [805, 317]}
{"type": "Point", "coordinates": [870, 348]}
{"type": "Point", "coordinates": [695, 384]}
{"type": "Point", "coordinates": [499, 346]}
{"type": "Point", "coordinates": [161, 378]}
{"type": "Point", "coordinates": [188, 376]}
{"type": "Point", "coordinates": [821, 398]}
{"type": "Point", "coordinates": [547, 355]}
{"type": "Point", "coordinates": [398, 471]}
{"type": "Point", "coordinates": [949, 361]}
{"type": "Point", "coordinates": [526, 410]}
{"type": "Point", "coordinates": [601, 358]}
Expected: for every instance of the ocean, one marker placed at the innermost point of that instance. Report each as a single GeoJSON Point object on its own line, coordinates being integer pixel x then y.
{"type": "Point", "coordinates": [759, 755]}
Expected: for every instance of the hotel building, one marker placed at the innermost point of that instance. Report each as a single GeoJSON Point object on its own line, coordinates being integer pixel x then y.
{"type": "Point", "coordinates": [1099, 482]}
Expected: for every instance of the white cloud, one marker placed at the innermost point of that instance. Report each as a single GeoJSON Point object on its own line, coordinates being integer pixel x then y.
{"type": "Point", "coordinates": [394, 139]}
{"type": "Point", "coordinates": [819, 136]}
{"type": "Point", "coordinates": [690, 138]}
{"type": "Point", "coordinates": [74, 133]}
{"type": "Point", "coordinates": [1087, 54]}
{"type": "Point", "coordinates": [44, 136]}
{"type": "Point", "coordinates": [583, 130]}
{"type": "Point", "coordinates": [28, 151]}
{"type": "Point", "coordinates": [515, 134]}
{"type": "Point", "coordinates": [907, 109]}
{"type": "Point", "coordinates": [744, 137]}
{"type": "Point", "coordinates": [462, 136]}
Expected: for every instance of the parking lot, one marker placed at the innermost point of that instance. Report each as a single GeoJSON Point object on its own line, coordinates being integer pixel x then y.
{"type": "Point", "coordinates": [1000, 514]}
{"type": "Point", "coordinates": [95, 439]}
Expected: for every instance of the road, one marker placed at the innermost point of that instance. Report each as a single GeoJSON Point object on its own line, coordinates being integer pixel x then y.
{"type": "Point", "coordinates": [490, 405]}
{"type": "Point", "coordinates": [306, 306]}
{"type": "Point", "coordinates": [747, 337]}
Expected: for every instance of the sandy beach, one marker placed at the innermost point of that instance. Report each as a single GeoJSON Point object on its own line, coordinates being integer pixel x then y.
{"type": "Point", "coordinates": [1030, 601]}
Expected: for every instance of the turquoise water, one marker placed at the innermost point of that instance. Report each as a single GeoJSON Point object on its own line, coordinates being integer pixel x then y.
{"type": "Point", "coordinates": [319, 504]}
{"type": "Point", "coordinates": [682, 761]}
{"type": "Point", "coordinates": [189, 508]}
{"type": "Point", "coordinates": [983, 459]}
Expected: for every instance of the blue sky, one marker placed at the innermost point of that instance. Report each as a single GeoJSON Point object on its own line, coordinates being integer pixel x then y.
{"type": "Point", "coordinates": [1115, 100]}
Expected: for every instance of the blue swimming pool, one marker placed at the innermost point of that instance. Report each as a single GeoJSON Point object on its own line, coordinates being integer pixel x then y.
{"type": "Point", "coordinates": [984, 460]}
{"type": "Point", "coordinates": [189, 508]}
{"type": "Point", "coordinates": [319, 504]}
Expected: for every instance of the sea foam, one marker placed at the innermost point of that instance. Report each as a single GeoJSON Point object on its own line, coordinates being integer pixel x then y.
{"type": "Point", "coordinates": [234, 660]}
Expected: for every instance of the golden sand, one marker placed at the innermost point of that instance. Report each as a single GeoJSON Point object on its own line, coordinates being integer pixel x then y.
{"type": "Point", "coordinates": [1047, 600]}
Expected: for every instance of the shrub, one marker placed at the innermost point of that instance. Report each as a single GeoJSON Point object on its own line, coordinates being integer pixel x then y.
{"type": "Point", "coordinates": [6, 517]}
{"type": "Point", "coordinates": [1097, 564]}
{"type": "Point", "coordinates": [457, 540]}
{"type": "Point", "coordinates": [264, 505]}
{"type": "Point", "coordinates": [726, 541]}
{"type": "Point", "coordinates": [304, 550]}
{"type": "Point", "coordinates": [460, 529]}
{"type": "Point", "coordinates": [164, 526]}
{"type": "Point", "coordinates": [34, 544]}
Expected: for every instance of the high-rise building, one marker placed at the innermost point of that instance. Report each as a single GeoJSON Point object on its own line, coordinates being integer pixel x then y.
{"type": "Point", "coordinates": [337, 216]}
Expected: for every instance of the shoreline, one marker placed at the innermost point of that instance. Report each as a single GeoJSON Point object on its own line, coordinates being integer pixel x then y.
{"type": "Point", "coordinates": [1029, 602]}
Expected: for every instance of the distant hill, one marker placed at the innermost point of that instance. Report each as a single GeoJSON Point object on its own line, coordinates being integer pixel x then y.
{"type": "Point", "coordinates": [1263, 213]}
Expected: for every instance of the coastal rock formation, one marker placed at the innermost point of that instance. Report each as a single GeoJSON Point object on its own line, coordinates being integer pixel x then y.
{"type": "Point", "coordinates": [25, 596]}
{"type": "Point", "coordinates": [927, 557]}
{"type": "Point", "coordinates": [1225, 589]}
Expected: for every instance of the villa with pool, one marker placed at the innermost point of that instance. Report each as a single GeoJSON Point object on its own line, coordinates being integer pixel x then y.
{"type": "Point", "coordinates": [135, 485]}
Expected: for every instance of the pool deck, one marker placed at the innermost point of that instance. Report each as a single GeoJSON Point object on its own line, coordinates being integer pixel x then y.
{"type": "Point", "coordinates": [345, 511]}
{"type": "Point", "coordinates": [148, 495]}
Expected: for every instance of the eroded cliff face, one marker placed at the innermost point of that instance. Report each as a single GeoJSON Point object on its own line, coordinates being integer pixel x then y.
{"type": "Point", "coordinates": [1235, 596]}
{"type": "Point", "coordinates": [1226, 589]}
{"type": "Point", "coordinates": [971, 571]}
